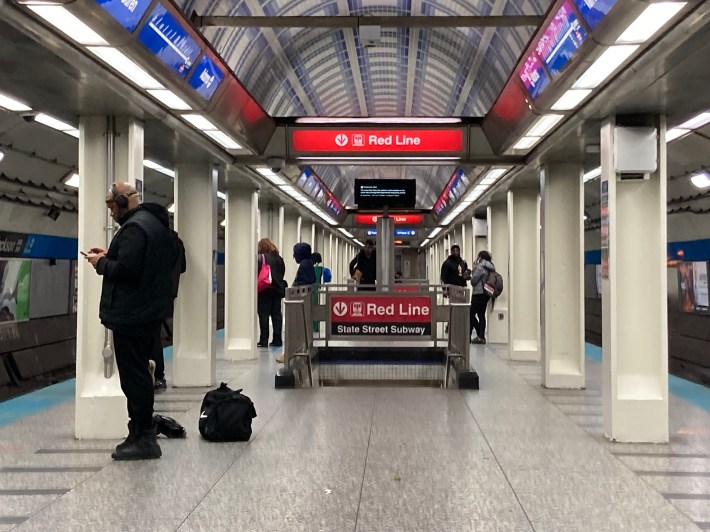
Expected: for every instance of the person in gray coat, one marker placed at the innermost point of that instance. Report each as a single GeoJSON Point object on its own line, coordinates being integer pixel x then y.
{"type": "Point", "coordinates": [479, 299]}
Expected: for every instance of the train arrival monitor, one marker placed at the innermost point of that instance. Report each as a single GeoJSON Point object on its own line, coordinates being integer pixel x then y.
{"type": "Point", "coordinates": [379, 193]}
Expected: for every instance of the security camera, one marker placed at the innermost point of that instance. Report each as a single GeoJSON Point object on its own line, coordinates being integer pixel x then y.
{"type": "Point", "coordinates": [276, 163]}
{"type": "Point", "coordinates": [29, 117]}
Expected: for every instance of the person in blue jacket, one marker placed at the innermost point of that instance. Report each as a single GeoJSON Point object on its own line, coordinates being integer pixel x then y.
{"type": "Point", "coordinates": [306, 273]}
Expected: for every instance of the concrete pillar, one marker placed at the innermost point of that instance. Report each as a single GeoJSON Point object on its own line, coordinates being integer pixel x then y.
{"type": "Point", "coordinates": [240, 274]}
{"type": "Point", "coordinates": [100, 403]}
{"type": "Point", "coordinates": [498, 238]}
{"type": "Point", "coordinates": [338, 259]}
{"type": "Point", "coordinates": [331, 259]}
{"type": "Point", "coordinates": [291, 238]}
{"type": "Point", "coordinates": [524, 264]}
{"type": "Point", "coordinates": [281, 214]}
{"type": "Point", "coordinates": [314, 242]}
{"type": "Point", "coordinates": [562, 288]}
{"type": "Point", "coordinates": [194, 339]}
{"type": "Point", "coordinates": [465, 245]}
{"type": "Point", "coordinates": [634, 289]}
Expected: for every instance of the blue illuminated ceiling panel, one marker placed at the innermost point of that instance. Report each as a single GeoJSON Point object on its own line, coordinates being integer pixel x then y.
{"type": "Point", "coordinates": [328, 72]}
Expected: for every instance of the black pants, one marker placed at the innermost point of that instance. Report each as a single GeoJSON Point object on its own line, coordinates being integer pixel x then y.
{"type": "Point", "coordinates": [157, 355]}
{"type": "Point", "coordinates": [269, 305]}
{"type": "Point", "coordinates": [132, 355]}
{"type": "Point", "coordinates": [479, 302]}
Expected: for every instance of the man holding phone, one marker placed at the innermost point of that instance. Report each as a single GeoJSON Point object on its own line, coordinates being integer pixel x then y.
{"type": "Point", "coordinates": [136, 296]}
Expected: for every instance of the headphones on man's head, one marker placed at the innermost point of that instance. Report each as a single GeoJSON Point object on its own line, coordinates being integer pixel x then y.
{"type": "Point", "coordinates": [120, 199]}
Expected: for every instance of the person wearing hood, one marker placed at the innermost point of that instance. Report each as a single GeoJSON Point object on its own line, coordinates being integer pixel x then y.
{"type": "Point", "coordinates": [306, 273]}
{"type": "Point", "coordinates": [366, 264]}
{"type": "Point", "coordinates": [455, 271]}
{"type": "Point", "coordinates": [136, 296]}
{"type": "Point", "coordinates": [479, 299]}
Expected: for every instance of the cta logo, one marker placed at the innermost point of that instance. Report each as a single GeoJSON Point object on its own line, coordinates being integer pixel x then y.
{"type": "Point", "coordinates": [341, 140]}
{"type": "Point", "coordinates": [340, 309]}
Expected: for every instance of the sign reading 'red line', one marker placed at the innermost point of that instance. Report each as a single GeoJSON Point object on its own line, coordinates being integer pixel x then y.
{"type": "Point", "coordinates": [356, 315]}
{"type": "Point", "coordinates": [429, 141]}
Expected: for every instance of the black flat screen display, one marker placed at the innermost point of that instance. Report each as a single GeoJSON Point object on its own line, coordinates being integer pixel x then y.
{"type": "Point", "coordinates": [378, 193]}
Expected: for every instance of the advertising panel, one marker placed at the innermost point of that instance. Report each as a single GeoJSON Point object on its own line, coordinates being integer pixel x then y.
{"type": "Point", "coordinates": [561, 39]}
{"type": "Point", "coordinates": [454, 189]}
{"type": "Point", "coordinates": [169, 41]}
{"type": "Point", "coordinates": [128, 13]}
{"type": "Point", "coordinates": [14, 289]}
{"type": "Point", "coordinates": [358, 315]}
{"type": "Point", "coordinates": [430, 141]}
{"type": "Point", "coordinates": [693, 283]}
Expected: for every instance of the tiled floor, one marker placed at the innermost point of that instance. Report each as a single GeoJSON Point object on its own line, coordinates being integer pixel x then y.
{"type": "Point", "coordinates": [509, 457]}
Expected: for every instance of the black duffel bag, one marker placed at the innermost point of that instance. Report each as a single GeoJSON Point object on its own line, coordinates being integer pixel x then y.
{"type": "Point", "coordinates": [226, 415]}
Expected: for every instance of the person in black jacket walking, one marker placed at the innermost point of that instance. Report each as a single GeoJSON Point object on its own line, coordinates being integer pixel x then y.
{"type": "Point", "coordinates": [269, 299]}
{"type": "Point", "coordinates": [136, 296]}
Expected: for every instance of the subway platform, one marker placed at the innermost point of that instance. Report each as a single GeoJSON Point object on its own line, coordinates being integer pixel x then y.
{"type": "Point", "coordinates": [511, 456]}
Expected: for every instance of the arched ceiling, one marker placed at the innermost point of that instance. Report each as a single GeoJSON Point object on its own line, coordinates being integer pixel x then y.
{"type": "Point", "coordinates": [418, 71]}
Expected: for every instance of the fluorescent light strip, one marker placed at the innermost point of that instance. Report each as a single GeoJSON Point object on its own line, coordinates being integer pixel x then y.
{"type": "Point", "coordinates": [604, 66]}
{"type": "Point", "coordinates": [200, 122]}
{"type": "Point", "coordinates": [653, 18]}
{"type": "Point", "coordinates": [543, 125]}
{"type": "Point", "coordinates": [170, 99]}
{"type": "Point", "coordinates": [676, 133]}
{"type": "Point", "coordinates": [13, 105]}
{"type": "Point", "coordinates": [223, 223]}
{"type": "Point", "coordinates": [345, 232]}
{"type": "Point", "coordinates": [158, 168]}
{"type": "Point", "coordinates": [221, 195]}
{"type": "Point", "coordinates": [571, 99]}
{"type": "Point", "coordinates": [526, 142]}
{"type": "Point", "coordinates": [125, 66]}
{"type": "Point", "coordinates": [224, 140]}
{"type": "Point", "coordinates": [52, 122]}
{"type": "Point", "coordinates": [73, 181]}
{"type": "Point", "coordinates": [68, 24]}
{"type": "Point", "coordinates": [375, 120]}
{"type": "Point", "coordinates": [701, 180]}
{"type": "Point", "coordinates": [271, 176]}
{"type": "Point", "coordinates": [72, 133]}
{"type": "Point", "coordinates": [435, 232]}
{"type": "Point", "coordinates": [696, 122]}
{"type": "Point", "coordinates": [358, 242]}
{"type": "Point", "coordinates": [592, 174]}
{"type": "Point", "coordinates": [171, 208]}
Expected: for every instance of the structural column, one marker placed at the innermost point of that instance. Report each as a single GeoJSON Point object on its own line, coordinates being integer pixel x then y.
{"type": "Point", "coordinates": [194, 339]}
{"type": "Point", "coordinates": [524, 264]}
{"type": "Point", "coordinates": [100, 403]}
{"type": "Point", "coordinates": [634, 283]}
{"type": "Point", "coordinates": [498, 239]}
{"type": "Point", "coordinates": [562, 287]}
{"type": "Point", "coordinates": [291, 238]}
{"type": "Point", "coordinates": [240, 274]}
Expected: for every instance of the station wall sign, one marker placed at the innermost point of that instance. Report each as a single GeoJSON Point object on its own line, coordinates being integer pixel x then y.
{"type": "Point", "coordinates": [360, 315]}
{"type": "Point", "coordinates": [399, 219]}
{"type": "Point", "coordinates": [378, 141]}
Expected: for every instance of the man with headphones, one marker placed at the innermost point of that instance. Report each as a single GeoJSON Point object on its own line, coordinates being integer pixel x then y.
{"type": "Point", "coordinates": [136, 296]}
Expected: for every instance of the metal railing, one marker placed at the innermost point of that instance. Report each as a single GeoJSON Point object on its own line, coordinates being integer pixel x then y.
{"type": "Point", "coordinates": [298, 338]}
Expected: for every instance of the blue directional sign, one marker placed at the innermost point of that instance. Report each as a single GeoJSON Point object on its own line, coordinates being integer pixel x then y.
{"type": "Point", "coordinates": [163, 35]}
{"type": "Point", "coordinates": [372, 232]}
{"type": "Point", "coordinates": [128, 13]}
{"type": "Point", "coordinates": [405, 232]}
{"type": "Point", "coordinates": [206, 77]}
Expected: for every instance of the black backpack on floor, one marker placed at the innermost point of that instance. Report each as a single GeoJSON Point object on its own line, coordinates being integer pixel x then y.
{"type": "Point", "coordinates": [226, 415]}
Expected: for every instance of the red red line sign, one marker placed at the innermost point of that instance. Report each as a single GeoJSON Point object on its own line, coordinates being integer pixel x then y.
{"type": "Point", "coordinates": [411, 141]}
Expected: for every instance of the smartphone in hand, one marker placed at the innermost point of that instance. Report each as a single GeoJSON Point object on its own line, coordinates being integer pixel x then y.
{"type": "Point", "coordinates": [83, 253]}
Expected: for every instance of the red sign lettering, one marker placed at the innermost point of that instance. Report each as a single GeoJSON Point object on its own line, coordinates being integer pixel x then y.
{"type": "Point", "coordinates": [399, 219]}
{"type": "Point", "coordinates": [355, 315]}
{"type": "Point", "coordinates": [436, 141]}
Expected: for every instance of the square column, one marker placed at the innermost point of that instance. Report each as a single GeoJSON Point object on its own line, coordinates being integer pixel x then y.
{"type": "Point", "coordinates": [290, 231]}
{"type": "Point", "coordinates": [498, 239]}
{"type": "Point", "coordinates": [281, 214]}
{"type": "Point", "coordinates": [562, 289]}
{"type": "Point", "coordinates": [100, 403]}
{"type": "Point", "coordinates": [524, 264]}
{"type": "Point", "coordinates": [194, 338]}
{"type": "Point", "coordinates": [240, 274]}
{"type": "Point", "coordinates": [634, 290]}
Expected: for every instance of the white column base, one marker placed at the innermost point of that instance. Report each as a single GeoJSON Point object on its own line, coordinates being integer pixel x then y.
{"type": "Point", "coordinates": [239, 349]}
{"type": "Point", "coordinates": [524, 350]}
{"type": "Point", "coordinates": [195, 372]}
{"type": "Point", "coordinates": [642, 421]}
{"type": "Point", "coordinates": [497, 326]}
{"type": "Point", "coordinates": [100, 416]}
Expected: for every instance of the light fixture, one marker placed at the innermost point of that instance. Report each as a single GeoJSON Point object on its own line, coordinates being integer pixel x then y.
{"type": "Point", "coordinates": [72, 133]}
{"type": "Point", "coordinates": [223, 223]}
{"type": "Point", "coordinates": [543, 125]}
{"type": "Point", "coordinates": [604, 66]}
{"type": "Point", "coordinates": [701, 180]}
{"type": "Point", "coordinates": [571, 99]}
{"type": "Point", "coordinates": [272, 176]}
{"type": "Point", "coordinates": [435, 232]}
{"type": "Point", "coordinates": [526, 143]}
{"type": "Point", "coordinates": [200, 122]}
{"type": "Point", "coordinates": [71, 179]}
{"type": "Point", "coordinates": [676, 133]}
{"type": "Point", "coordinates": [13, 105]}
{"type": "Point", "coordinates": [696, 122]}
{"type": "Point", "coordinates": [2, 154]}
{"type": "Point", "coordinates": [170, 99]}
{"type": "Point", "coordinates": [224, 140]}
{"type": "Point", "coordinates": [586, 216]}
{"type": "Point", "coordinates": [68, 24]}
{"type": "Point", "coordinates": [125, 66]}
{"type": "Point", "coordinates": [158, 168]}
{"type": "Point", "coordinates": [652, 19]}
{"type": "Point", "coordinates": [221, 195]}
{"type": "Point", "coordinates": [52, 122]}
{"type": "Point", "coordinates": [53, 213]}
{"type": "Point", "coordinates": [171, 208]}
{"type": "Point", "coordinates": [377, 120]}
{"type": "Point", "coordinates": [345, 232]}
{"type": "Point", "coordinates": [592, 174]}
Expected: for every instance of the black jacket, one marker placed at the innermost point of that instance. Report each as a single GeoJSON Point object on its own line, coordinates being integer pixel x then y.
{"type": "Point", "coordinates": [278, 270]}
{"type": "Point", "coordinates": [306, 273]}
{"type": "Point", "coordinates": [137, 270]}
{"type": "Point", "coordinates": [452, 271]}
{"type": "Point", "coordinates": [367, 266]}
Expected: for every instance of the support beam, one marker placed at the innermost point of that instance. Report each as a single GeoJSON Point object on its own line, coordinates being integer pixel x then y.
{"type": "Point", "coordinates": [355, 22]}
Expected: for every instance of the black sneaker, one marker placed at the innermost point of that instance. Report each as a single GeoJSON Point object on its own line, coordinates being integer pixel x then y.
{"type": "Point", "coordinates": [276, 344]}
{"type": "Point", "coordinates": [143, 447]}
{"type": "Point", "coordinates": [262, 344]}
{"type": "Point", "coordinates": [478, 340]}
{"type": "Point", "coordinates": [160, 385]}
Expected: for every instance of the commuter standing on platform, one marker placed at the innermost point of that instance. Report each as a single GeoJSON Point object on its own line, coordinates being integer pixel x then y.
{"type": "Point", "coordinates": [136, 296]}
{"type": "Point", "coordinates": [318, 267]}
{"type": "Point", "coordinates": [455, 270]}
{"type": "Point", "coordinates": [269, 299]}
{"type": "Point", "coordinates": [479, 299]}
{"type": "Point", "coordinates": [367, 266]}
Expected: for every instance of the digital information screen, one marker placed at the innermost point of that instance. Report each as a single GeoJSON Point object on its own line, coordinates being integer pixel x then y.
{"type": "Point", "coordinates": [128, 13]}
{"type": "Point", "coordinates": [593, 11]}
{"type": "Point", "coordinates": [693, 287]}
{"type": "Point", "coordinates": [561, 39]}
{"type": "Point", "coordinates": [453, 190]}
{"type": "Point", "coordinates": [533, 76]}
{"type": "Point", "coordinates": [206, 77]}
{"type": "Point", "coordinates": [378, 193]}
{"type": "Point", "coordinates": [169, 41]}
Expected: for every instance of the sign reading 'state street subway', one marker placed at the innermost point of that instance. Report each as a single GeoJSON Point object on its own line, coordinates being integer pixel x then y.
{"type": "Point", "coordinates": [356, 315]}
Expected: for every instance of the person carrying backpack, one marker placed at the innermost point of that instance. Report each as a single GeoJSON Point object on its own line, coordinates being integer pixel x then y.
{"type": "Point", "coordinates": [318, 267]}
{"type": "Point", "coordinates": [479, 300]}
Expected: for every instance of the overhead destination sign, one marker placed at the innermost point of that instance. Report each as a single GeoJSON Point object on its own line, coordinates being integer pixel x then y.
{"type": "Point", "coordinates": [340, 141]}
{"type": "Point", "coordinates": [128, 13]}
{"type": "Point", "coordinates": [399, 219]}
{"type": "Point", "coordinates": [169, 41]}
{"type": "Point", "coordinates": [356, 315]}
{"type": "Point", "coordinates": [206, 77]}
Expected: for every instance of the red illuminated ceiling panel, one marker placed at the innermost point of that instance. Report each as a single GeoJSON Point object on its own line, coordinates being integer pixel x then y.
{"type": "Point", "coordinates": [378, 141]}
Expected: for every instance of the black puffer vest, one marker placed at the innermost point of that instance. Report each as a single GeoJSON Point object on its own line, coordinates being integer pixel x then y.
{"type": "Point", "coordinates": [150, 298]}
